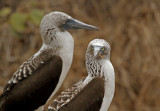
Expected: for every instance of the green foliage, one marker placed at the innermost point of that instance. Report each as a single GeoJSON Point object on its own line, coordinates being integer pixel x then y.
{"type": "Point", "coordinates": [17, 21]}
{"type": "Point", "coordinates": [35, 16]}
{"type": "Point", "coordinates": [5, 11]}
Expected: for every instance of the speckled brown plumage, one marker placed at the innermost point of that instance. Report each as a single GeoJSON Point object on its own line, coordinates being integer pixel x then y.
{"type": "Point", "coordinates": [70, 98]}
{"type": "Point", "coordinates": [44, 83]}
{"type": "Point", "coordinates": [67, 95]}
{"type": "Point", "coordinates": [29, 67]}
{"type": "Point", "coordinates": [35, 90]}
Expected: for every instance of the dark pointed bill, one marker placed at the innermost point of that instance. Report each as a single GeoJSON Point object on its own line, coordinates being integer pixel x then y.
{"type": "Point", "coordinates": [75, 24]}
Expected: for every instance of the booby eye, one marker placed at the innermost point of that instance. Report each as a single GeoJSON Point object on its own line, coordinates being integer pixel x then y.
{"type": "Point", "coordinates": [102, 49]}
{"type": "Point", "coordinates": [67, 21]}
{"type": "Point", "coordinates": [92, 48]}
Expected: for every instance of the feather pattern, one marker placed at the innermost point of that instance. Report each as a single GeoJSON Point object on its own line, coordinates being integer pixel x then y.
{"type": "Point", "coordinates": [28, 67]}
{"type": "Point", "coordinates": [67, 95]}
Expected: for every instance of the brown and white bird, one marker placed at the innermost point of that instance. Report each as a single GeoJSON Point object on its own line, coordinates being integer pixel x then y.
{"type": "Point", "coordinates": [38, 78]}
{"type": "Point", "coordinates": [91, 93]}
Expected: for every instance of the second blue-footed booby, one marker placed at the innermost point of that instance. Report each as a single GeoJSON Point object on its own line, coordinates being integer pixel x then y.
{"type": "Point", "coordinates": [90, 93]}
{"type": "Point", "coordinates": [38, 79]}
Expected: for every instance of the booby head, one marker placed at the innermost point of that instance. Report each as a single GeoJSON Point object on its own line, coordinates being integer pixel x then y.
{"type": "Point", "coordinates": [65, 22]}
{"type": "Point", "coordinates": [99, 49]}
{"type": "Point", "coordinates": [56, 24]}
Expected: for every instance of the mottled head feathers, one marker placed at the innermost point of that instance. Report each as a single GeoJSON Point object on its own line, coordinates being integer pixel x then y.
{"type": "Point", "coordinates": [98, 49]}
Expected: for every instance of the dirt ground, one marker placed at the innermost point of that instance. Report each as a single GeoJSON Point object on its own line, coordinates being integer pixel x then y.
{"type": "Point", "coordinates": [132, 28]}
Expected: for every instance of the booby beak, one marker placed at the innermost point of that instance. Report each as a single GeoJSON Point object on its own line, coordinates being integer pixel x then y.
{"type": "Point", "coordinates": [75, 24]}
{"type": "Point", "coordinates": [97, 52]}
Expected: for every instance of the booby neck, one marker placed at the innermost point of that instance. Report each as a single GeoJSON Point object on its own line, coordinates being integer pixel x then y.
{"type": "Point", "coordinates": [104, 69]}
{"type": "Point", "coordinates": [63, 45]}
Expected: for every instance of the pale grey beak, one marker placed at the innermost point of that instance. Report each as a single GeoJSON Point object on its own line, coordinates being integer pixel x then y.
{"type": "Point", "coordinates": [75, 24]}
{"type": "Point", "coordinates": [96, 51]}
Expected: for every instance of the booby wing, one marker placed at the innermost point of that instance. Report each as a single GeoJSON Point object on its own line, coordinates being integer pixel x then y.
{"type": "Point", "coordinates": [33, 83]}
{"type": "Point", "coordinates": [80, 97]}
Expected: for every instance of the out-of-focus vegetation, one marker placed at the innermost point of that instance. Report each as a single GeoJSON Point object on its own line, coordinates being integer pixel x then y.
{"type": "Point", "coordinates": [130, 26]}
{"type": "Point", "coordinates": [18, 20]}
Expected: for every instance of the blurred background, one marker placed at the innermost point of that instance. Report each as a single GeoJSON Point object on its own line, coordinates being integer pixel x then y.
{"type": "Point", "coordinates": [132, 28]}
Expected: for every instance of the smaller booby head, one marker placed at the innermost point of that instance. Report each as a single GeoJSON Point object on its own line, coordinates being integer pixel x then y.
{"type": "Point", "coordinates": [99, 49]}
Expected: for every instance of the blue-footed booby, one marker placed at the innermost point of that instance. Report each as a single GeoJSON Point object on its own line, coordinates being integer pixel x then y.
{"type": "Point", "coordinates": [90, 93]}
{"type": "Point", "coordinates": [38, 78]}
